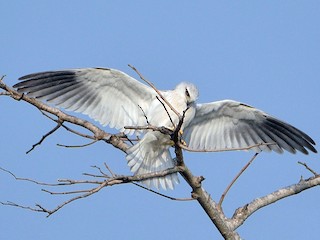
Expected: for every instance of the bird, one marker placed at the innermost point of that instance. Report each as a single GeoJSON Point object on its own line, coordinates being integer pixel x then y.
{"type": "Point", "coordinates": [118, 100]}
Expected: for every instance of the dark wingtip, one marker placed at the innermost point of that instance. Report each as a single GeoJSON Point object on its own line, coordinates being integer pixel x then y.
{"type": "Point", "coordinates": [302, 142]}
{"type": "Point", "coordinates": [313, 149]}
{"type": "Point", "coordinates": [18, 85]}
{"type": "Point", "coordinates": [30, 75]}
{"type": "Point", "coordinates": [311, 145]}
{"type": "Point", "coordinates": [23, 77]}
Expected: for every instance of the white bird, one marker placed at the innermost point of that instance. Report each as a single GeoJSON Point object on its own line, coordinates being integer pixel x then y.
{"type": "Point", "coordinates": [113, 98]}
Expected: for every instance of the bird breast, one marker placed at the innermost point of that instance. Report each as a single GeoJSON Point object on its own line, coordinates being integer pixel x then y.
{"type": "Point", "coordinates": [158, 113]}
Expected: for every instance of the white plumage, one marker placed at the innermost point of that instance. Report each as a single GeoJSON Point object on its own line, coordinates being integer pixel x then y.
{"type": "Point", "coordinates": [113, 98]}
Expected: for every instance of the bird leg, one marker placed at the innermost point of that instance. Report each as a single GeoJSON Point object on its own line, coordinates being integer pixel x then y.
{"type": "Point", "coordinates": [183, 142]}
{"type": "Point", "coordinates": [171, 141]}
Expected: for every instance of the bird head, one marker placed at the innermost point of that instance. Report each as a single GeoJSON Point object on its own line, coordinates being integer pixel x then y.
{"type": "Point", "coordinates": [189, 91]}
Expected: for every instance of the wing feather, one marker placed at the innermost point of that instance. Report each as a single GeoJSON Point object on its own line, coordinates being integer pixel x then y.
{"type": "Point", "coordinates": [229, 124]}
{"type": "Point", "coordinates": [106, 95]}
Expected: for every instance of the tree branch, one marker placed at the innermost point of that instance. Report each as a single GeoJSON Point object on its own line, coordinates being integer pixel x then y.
{"type": "Point", "coordinates": [156, 90]}
{"type": "Point", "coordinates": [163, 195]}
{"type": "Point", "coordinates": [308, 168]}
{"type": "Point", "coordinates": [223, 149]}
{"type": "Point", "coordinates": [211, 208]}
{"type": "Point", "coordinates": [235, 179]}
{"type": "Point", "coordinates": [59, 123]}
{"type": "Point", "coordinates": [107, 182]}
{"type": "Point", "coordinates": [242, 213]}
{"type": "Point", "coordinates": [99, 134]}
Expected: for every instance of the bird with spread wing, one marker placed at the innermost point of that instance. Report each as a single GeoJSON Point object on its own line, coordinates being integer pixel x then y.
{"type": "Point", "coordinates": [113, 98]}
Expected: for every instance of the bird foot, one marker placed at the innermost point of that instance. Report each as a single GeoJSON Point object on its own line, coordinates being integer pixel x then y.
{"type": "Point", "coordinates": [183, 142]}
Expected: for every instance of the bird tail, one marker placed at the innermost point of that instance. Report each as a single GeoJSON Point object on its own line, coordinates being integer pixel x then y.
{"type": "Point", "coordinates": [149, 155]}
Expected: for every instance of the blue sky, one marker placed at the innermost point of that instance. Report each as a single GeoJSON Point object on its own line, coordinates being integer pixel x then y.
{"type": "Point", "coordinates": [264, 53]}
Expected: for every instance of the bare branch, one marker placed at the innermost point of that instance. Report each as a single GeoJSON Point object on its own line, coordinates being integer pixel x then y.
{"type": "Point", "coordinates": [59, 123]}
{"type": "Point", "coordinates": [78, 146]}
{"type": "Point", "coordinates": [30, 180]}
{"type": "Point", "coordinates": [78, 133]}
{"type": "Point", "coordinates": [87, 194]}
{"type": "Point", "coordinates": [211, 208]}
{"type": "Point", "coordinates": [144, 114]}
{"type": "Point", "coordinates": [235, 179]}
{"type": "Point", "coordinates": [168, 114]}
{"type": "Point", "coordinates": [311, 170]}
{"type": "Point", "coordinates": [163, 130]}
{"type": "Point", "coordinates": [103, 174]}
{"type": "Point", "coordinates": [109, 169]}
{"type": "Point", "coordinates": [224, 150]}
{"type": "Point", "coordinates": [67, 128]}
{"type": "Point", "coordinates": [154, 88]}
{"type": "Point", "coordinates": [242, 213]}
{"type": "Point", "coordinates": [108, 181]}
{"type": "Point", "coordinates": [163, 195]}
{"type": "Point", "coordinates": [12, 204]}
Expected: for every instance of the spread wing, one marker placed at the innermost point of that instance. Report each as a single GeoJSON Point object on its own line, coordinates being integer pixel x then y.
{"type": "Point", "coordinates": [228, 124]}
{"type": "Point", "coordinates": [109, 96]}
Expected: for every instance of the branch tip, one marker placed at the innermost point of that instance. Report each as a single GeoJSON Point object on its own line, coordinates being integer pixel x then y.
{"type": "Point", "coordinates": [308, 168]}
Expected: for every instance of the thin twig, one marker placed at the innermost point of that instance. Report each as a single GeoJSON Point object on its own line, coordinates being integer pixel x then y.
{"type": "Point", "coordinates": [78, 133]}
{"type": "Point", "coordinates": [65, 127]}
{"type": "Point", "coordinates": [149, 127]}
{"type": "Point", "coordinates": [159, 95]}
{"type": "Point", "coordinates": [168, 114]}
{"type": "Point", "coordinates": [163, 130]}
{"type": "Point", "coordinates": [45, 136]}
{"type": "Point", "coordinates": [92, 191]}
{"type": "Point", "coordinates": [163, 195]}
{"type": "Point", "coordinates": [66, 193]}
{"type": "Point", "coordinates": [94, 175]}
{"type": "Point", "coordinates": [154, 88]}
{"type": "Point", "coordinates": [31, 180]}
{"type": "Point", "coordinates": [109, 181]}
{"type": "Point", "coordinates": [110, 171]}
{"type": "Point", "coordinates": [235, 179]}
{"type": "Point", "coordinates": [73, 182]}
{"type": "Point", "coordinates": [8, 203]}
{"type": "Point", "coordinates": [102, 172]}
{"type": "Point", "coordinates": [78, 146]}
{"type": "Point", "coordinates": [47, 115]}
{"type": "Point", "coordinates": [223, 150]}
{"type": "Point", "coordinates": [144, 114]}
{"type": "Point", "coordinates": [307, 167]}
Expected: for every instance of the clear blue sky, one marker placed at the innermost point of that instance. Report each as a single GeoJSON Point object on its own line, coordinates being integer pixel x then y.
{"type": "Point", "coordinates": [264, 53]}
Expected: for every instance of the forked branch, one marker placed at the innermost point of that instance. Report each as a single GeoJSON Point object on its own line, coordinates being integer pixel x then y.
{"type": "Point", "coordinates": [107, 181]}
{"type": "Point", "coordinates": [242, 213]}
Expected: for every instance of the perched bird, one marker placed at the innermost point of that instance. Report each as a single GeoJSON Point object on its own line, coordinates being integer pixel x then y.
{"type": "Point", "coordinates": [113, 98]}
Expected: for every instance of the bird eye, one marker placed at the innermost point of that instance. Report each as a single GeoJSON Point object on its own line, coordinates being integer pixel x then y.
{"type": "Point", "coordinates": [187, 93]}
